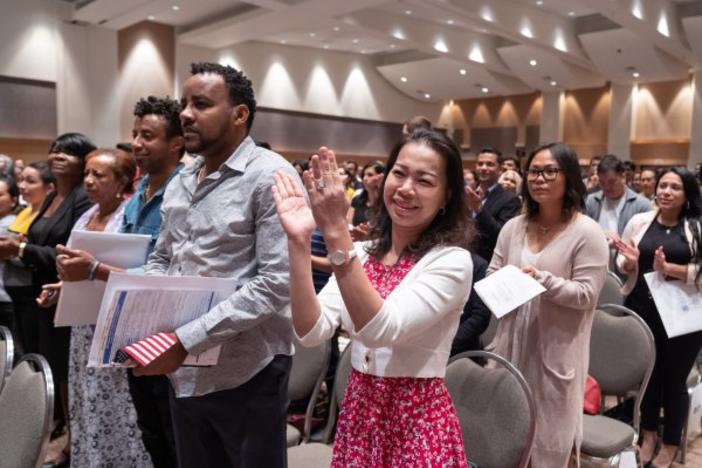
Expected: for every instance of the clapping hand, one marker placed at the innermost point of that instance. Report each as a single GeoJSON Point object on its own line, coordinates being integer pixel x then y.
{"type": "Point", "coordinates": [294, 214]}
{"type": "Point", "coordinates": [628, 250]}
{"type": "Point", "coordinates": [474, 198]}
{"type": "Point", "coordinates": [659, 262]}
{"type": "Point", "coordinates": [360, 232]}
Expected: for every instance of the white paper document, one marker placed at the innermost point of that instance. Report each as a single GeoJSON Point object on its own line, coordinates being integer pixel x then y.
{"type": "Point", "coordinates": [679, 304]}
{"type": "Point", "coordinates": [79, 301]}
{"type": "Point", "coordinates": [135, 307]}
{"type": "Point", "coordinates": [506, 289]}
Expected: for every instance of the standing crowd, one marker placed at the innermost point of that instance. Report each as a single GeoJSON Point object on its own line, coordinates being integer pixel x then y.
{"type": "Point", "coordinates": [386, 254]}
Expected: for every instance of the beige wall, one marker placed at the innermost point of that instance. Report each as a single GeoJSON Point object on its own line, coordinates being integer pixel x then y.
{"type": "Point", "coordinates": [312, 80]}
{"type": "Point", "coordinates": [586, 121]}
{"type": "Point", "coordinates": [663, 111]}
{"type": "Point", "coordinates": [511, 111]}
{"type": "Point", "coordinates": [146, 61]}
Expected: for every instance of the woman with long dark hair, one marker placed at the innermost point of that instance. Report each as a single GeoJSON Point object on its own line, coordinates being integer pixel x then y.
{"type": "Point", "coordinates": [548, 338]}
{"type": "Point", "coordinates": [51, 226]}
{"type": "Point", "coordinates": [400, 297]}
{"type": "Point", "coordinates": [667, 240]}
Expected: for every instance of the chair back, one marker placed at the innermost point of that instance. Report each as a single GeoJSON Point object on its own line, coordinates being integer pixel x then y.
{"type": "Point", "coordinates": [309, 367]}
{"type": "Point", "coordinates": [341, 380]}
{"type": "Point", "coordinates": [622, 354]}
{"type": "Point", "coordinates": [611, 292]}
{"type": "Point", "coordinates": [7, 354]}
{"type": "Point", "coordinates": [495, 408]}
{"type": "Point", "coordinates": [26, 410]}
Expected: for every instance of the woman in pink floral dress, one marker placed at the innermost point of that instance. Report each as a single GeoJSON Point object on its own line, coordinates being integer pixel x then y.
{"type": "Point", "coordinates": [399, 296]}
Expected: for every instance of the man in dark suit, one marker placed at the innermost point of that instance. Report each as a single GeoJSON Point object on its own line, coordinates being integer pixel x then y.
{"type": "Point", "coordinates": [492, 206]}
{"type": "Point", "coordinates": [475, 317]}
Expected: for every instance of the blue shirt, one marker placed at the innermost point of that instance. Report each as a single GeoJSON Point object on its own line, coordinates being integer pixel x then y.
{"type": "Point", "coordinates": [319, 249]}
{"type": "Point", "coordinates": [142, 216]}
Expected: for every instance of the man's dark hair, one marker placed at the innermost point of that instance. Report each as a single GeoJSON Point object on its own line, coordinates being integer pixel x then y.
{"type": "Point", "coordinates": [240, 87]}
{"type": "Point", "coordinates": [610, 162]}
{"type": "Point", "coordinates": [167, 108]}
{"type": "Point", "coordinates": [629, 166]}
{"type": "Point", "coordinates": [516, 162]}
{"type": "Point", "coordinates": [569, 166]}
{"type": "Point", "coordinates": [492, 150]}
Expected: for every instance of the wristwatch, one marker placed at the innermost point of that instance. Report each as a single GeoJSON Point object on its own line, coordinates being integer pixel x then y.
{"type": "Point", "coordinates": [22, 246]}
{"type": "Point", "coordinates": [341, 257]}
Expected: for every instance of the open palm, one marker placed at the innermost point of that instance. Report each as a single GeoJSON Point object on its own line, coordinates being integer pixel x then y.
{"type": "Point", "coordinates": [294, 214]}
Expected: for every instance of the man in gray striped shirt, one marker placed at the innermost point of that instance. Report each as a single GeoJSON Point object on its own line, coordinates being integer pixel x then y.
{"type": "Point", "coordinates": [219, 220]}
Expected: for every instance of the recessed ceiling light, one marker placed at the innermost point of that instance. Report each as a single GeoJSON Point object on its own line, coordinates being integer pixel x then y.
{"type": "Point", "coordinates": [356, 41]}
{"type": "Point", "coordinates": [540, 2]}
{"type": "Point", "coordinates": [326, 46]}
{"type": "Point", "coordinates": [408, 12]}
{"type": "Point", "coordinates": [363, 51]}
{"type": "Point", "coordinates": [392, 46]}
{"type": "Point", "coordinates": [636, 74]}
{"type": "Point", "coordinates": [532, 62]}
{"type": "Point", "coordinates": [553, 83]}
{"type": "Point", "coordinates": [337, 29]}
{"type": "Point", "coordinates": [175, 7]}
{"type": "Point", "coordinates": [427, 95]}
{"type": "Point", "coordinates": [485, 90]}
{"type": "Point", "coordinates": [403, 79]}
{"type": "Point", "coordinates": [151, 17]}
{"type": "Point", "coordinates": [313, 34]}
{"type": "Point", "coordinates": [283, 41]}
{"type": "Point", "coordinates": [449, 22]}
{"type": "Point", "coordinates": [440, 46]}
{"type": "Point", "coordinates": [571, 13]}
{"type": "Point", "coordinates": [462, 71]}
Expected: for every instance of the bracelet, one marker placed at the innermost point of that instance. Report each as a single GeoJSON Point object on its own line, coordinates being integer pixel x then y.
{"type": "Point", "coordinates": [93, 269]}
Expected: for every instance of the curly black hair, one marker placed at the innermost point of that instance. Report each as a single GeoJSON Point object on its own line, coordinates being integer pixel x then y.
{"type": "Point", "coordinates": [240, 87]}
{"type": "Point", "coordinates": [167, 108]}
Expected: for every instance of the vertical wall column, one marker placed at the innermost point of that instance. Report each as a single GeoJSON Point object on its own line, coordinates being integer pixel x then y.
{"type": "Point", "coordinates": [695, 154]}
{"type": "Point", "coordinates": [146, 60]}
{"type": "Point", "coordinates": [620, 120]}
{"type": "Point", "coordinates": [552, 117]}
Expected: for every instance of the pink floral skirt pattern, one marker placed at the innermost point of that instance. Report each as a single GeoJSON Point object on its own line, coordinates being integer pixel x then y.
{"type": "Point", "coordinates": [397, 422]}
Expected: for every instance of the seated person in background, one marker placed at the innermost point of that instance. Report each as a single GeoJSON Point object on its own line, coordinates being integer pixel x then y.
{"type": "Point", "coordinates": [636, 183]}
{"type": "Point", "coordinates": [366, 201]}
{"type": "Point", "coordinates": [511, 163]}
{"type": "Point", "coordinates": [475, 317]}
{"type": "Point", "coordinates": [615, 204]}
{"type": "Point", "coordinates": [511, 181]}
{"type": "Point", "coordinates": [470, 179]}
{"type": "Point", "coordinates": [648, 184]}
{"type": "Point", "coordinates": [629, 170]}
{"type": "Point", "coordinates": [491, 205]}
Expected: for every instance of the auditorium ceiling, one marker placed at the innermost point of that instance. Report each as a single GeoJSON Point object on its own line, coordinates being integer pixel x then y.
{"type": "Point", "coordinates": [449, 49]}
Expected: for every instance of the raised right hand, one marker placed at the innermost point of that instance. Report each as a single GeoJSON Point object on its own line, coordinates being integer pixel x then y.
{"type": "Point", "coordinates": [294, 213]}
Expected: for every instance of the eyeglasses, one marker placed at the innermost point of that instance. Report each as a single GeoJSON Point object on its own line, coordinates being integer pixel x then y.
{"type": "Point", "coordinates": [549, 173]}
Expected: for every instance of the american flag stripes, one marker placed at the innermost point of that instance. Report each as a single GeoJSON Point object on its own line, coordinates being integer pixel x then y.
{"type": "Point", "coordinates": [150, 348]}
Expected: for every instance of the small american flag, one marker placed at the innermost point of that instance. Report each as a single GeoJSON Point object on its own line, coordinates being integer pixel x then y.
{"type": "Point", "coordinates": [150, 348]}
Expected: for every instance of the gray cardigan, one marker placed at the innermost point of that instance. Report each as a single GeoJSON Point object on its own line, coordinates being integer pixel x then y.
{"type": "Point", "coordinates": [633, 204]}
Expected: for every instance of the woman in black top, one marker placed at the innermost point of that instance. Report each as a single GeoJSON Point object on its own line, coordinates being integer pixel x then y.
{"type": "Point", "coordinates": [361, 204]}
{"type": "Point", "coordinates": [52, 226]}
{"type": "Point", "coordinates": [667, 241]}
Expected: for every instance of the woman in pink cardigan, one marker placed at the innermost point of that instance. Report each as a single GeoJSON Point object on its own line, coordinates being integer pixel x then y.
{"type": "Point", "coordinates": [548, 338]}
{"type": "Point", "coordinates": [666, 240]}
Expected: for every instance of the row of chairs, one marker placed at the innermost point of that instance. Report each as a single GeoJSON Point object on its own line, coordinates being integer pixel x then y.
{"type": "Point", "coordinates": [495, 407]}
{"type": "Point", "coordinates": [26, 406]}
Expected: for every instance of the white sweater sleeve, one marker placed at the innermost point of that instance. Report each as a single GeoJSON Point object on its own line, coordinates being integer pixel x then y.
{"type": "Point", "coordinates": [440, 288]}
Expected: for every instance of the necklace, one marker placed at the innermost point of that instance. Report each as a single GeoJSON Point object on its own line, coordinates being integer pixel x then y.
{"type": "Point", "coordinates": [667, 227]}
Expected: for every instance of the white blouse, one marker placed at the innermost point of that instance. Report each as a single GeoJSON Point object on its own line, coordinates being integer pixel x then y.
{"type": "Point", "coordinates": [411, 334]}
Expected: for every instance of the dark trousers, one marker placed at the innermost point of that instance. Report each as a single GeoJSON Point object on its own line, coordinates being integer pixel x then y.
{"type": "Point", "coordinates": [241, 427]}
{"type": "Point", "coordinates": [26, 330]}
{"type": "Point", "coordinates": [7, 316]}
{"type": "Point", "coordinates": [151, 402]}
{"type": "Point", "coordinates": [667, 388]}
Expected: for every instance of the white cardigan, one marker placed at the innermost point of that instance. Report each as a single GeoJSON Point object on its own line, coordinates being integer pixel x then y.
{"type": "Point", "coordinates": [411, 334]}
{"type": "Point", "coordinates": [635, 230]}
